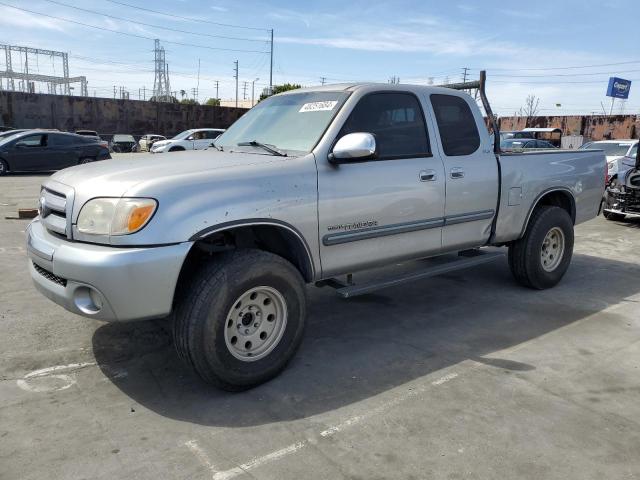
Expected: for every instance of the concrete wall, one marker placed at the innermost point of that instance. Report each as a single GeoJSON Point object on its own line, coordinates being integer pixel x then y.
{"type": "Point", "coordinates": [108, 116]}
{"type": "Point", "coordinates": [592, 127]}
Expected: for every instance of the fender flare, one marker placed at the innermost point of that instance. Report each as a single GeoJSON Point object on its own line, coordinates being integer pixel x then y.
{"type": "Point", "coordinates": [540, 196]}
{"type": "Point", "coordinates": [221, 227]}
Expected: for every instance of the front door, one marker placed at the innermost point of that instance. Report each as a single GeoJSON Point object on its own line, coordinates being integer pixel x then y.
{"type": "Point", "coordinates": [471, 173]}
{"type": "Point", "coordinates": [29, 153]}
{"type": "Point", "coordinates": [387, 208]}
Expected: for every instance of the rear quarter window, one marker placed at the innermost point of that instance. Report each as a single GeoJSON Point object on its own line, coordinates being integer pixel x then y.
{"type": "Point", "coordinates": [456, 124]}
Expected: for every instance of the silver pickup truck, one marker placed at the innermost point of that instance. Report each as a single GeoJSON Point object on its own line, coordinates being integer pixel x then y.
{"type": "Point", "coordinates": [313, 186]}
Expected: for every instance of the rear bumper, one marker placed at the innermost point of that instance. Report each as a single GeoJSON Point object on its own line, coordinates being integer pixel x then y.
{"type": "Point", "coordinates": [103, 282]}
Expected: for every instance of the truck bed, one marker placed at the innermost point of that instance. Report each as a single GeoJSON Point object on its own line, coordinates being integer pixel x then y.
{"type": "Point", "coordinates": [527, 176]}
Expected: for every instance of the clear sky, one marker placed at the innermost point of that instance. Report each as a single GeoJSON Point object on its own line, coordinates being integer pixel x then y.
{"type": "Point", "coordinates": [562, 51]}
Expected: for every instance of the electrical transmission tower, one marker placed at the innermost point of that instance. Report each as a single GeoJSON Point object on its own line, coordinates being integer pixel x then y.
{"type": "Point", "coordinates": [27, 79]}
{"type": "Point", "coordinates": [161, 86]}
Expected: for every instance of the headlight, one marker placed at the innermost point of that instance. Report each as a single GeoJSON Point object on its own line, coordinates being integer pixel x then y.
{"type": "Point", "coordinates": [115, 216]}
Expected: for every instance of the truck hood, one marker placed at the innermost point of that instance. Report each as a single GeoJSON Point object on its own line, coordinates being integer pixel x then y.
{"type": "Point", "coordinates": [115, 177]}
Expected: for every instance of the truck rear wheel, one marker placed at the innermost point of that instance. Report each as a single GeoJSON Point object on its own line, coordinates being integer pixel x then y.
{"type": "Point", "coordinates": [241, 318]}
{"type": "Point", "coordinates": [541, 257]}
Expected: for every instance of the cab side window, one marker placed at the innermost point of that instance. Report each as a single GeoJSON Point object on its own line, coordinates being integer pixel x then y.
{"type": "Point", "coordinates": [33, 141]}
{"type": "Point", "coordinates": [456, 124]}
{"type": "Point", "coordinates": [58, 140]}
{"type": "Point", "coordinates": [397, 122]}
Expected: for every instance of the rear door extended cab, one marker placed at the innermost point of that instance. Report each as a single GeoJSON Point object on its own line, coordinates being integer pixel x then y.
{"type": "Point", "coordinates": [312, 186]}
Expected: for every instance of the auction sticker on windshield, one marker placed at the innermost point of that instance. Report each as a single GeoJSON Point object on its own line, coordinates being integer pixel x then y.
{"type": "Point", "coordinates": [318, 106]}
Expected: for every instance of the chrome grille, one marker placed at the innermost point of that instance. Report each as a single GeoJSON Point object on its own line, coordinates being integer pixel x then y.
{"type": "Point", "coordinates": [49, 275]}
{"type": "Point", "coordinates": [53, 211]}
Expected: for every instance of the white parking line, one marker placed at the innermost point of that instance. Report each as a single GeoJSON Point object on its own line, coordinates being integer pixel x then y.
{"type": "Point", "coordinates": [444, 379]}
{"type": "Point", "coordinates": [257, 461]}
{"type": "Point", "coordinates": [202, 456]}
{"type": "Point", "coordinates": [294, 447]}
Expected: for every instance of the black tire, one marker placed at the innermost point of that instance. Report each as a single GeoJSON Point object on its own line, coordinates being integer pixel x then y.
{"type": "Point", "coordinates": [4, 168]}
{"type": "Point", "coordinates": [525, 259]}
{"type": "Point", "coordinates": [176, 149]}
{"type": "Point", "coordinates": [205, 306]}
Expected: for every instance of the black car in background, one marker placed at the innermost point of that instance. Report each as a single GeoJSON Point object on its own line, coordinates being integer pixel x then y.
{"type": "Point", "coordinates": [42, 150]}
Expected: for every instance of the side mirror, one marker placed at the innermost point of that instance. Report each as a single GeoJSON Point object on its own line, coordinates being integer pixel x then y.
{"type": "Point", "coordinates": [190, 138]}
{"type": "Point", "coordinates": [354, 147]}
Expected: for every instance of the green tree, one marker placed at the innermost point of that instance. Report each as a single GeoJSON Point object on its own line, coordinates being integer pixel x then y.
{"type": "Point", "coordinates": [213, 102]}
{"type": "Point", "coordinates": [189, 101]}
{"type": "Point", "coordinates": [279, 89]}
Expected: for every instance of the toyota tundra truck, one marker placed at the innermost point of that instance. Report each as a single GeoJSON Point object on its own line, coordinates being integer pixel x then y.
{"type": "Point", "coordinates": [313, 186]}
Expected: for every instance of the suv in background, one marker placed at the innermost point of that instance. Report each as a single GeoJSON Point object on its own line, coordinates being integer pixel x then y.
{"type": "Point", "coordinates": [93, 134]}
{"type": "Point", "coordinates": [194, 139]}
{"type": "Point", "coordinates": [41, 150]}
{"type": "Point", "coordinates": [615, 151]}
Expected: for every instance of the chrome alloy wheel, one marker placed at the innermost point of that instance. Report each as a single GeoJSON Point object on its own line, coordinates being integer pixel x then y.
{"type": "Point", "coordinates": [552, 249]}
{"type": "Point", "coordinates": [255, 324]}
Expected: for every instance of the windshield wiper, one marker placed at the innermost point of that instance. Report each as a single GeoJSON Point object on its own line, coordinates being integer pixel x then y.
{"type": "Point", "coordinates": [264, 146]}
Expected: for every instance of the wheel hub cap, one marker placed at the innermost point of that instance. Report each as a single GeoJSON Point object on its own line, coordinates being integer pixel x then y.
{"type": "Point", "coordinates": [552, 249]}
{"type": "Point", "coordinates": [255, 323]}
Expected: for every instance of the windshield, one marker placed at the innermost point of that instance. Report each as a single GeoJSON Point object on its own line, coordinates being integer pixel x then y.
{"type": "Point", "coordinates": [611, 149]}
{"type": "Point", "coordinates": [633, 152]}
{"type": "Point", "coordinates": [506, 144]}
{"type": "Point", "coordinates": [183, 135]}
{"type": "Point", "coordinates": [123, 138]}
{"type": "Point", "coordinates": [288, 122]}
{"type": "Point", "coordinates": [8, 138]}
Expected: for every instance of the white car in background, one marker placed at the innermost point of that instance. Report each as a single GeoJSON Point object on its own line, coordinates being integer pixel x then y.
{"type": "Point", "coordinates": [194, 139]}
{"type": "Point", "coordinates": [146, 141]}
{"type": "Point", "coordinates": [615, 151]}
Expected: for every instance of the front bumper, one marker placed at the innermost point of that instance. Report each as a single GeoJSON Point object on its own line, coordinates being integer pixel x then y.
{"type": "Point", "coordinates": [104, 282]}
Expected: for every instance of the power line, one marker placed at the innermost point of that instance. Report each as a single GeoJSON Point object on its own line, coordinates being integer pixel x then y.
{"type": "Point", "coordinates": [135, 22]}
{"type": "Point", "coordinates": [560, 68]}
{"type": "Point", "coordinates": [191, 19]}
{"type": "Point", "coordinates": [130, 34]}
{"type": "Point", "coordinates": [566, 74]}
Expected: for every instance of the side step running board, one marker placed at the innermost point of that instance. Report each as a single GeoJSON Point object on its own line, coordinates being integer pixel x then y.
{"type": "Point", "coordinates": [465, 260]}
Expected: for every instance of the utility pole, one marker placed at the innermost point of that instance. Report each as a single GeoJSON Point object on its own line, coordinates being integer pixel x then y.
{"type": "Point", "coordinates": [323, 80]}
{"type": "Point", "coordinates": [194, 93]}
{"type": "Point", "coordinates": [217, 90]}
{"type": "Point", "coordinates": [253, 91]}
{"type": "Point", "coordinates": [236, 77]}
{"type": "Point", "coordinates": [271, 66]}
{"type": "Point", "coordinates": [464, 74]}
{"type": "Point", "coordinates": [114, 91]}
{"type": "Point", "coordinates": [244, 91]}
{"type": "Point", "coordinates": [198, 84]}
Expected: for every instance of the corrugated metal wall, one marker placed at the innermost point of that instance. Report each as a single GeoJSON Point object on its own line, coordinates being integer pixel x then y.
{"type": "Point", "coordinates": [108, 116]}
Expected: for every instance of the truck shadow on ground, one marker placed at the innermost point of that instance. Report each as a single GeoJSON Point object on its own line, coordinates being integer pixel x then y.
{"type": "Point", "coordinates": [355, 349]}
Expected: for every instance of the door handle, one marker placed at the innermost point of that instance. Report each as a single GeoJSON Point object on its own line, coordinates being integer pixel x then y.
{"type": "Point", "coordinates": [428, 176]}
{"type": "Point", "coordinates": [456, 172]}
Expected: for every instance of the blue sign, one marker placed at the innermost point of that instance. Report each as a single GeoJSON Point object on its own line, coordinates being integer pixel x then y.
{"type": "Point", "coordinates": [618, 88]}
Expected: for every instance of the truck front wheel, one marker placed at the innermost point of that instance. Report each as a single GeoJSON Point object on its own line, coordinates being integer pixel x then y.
{"type": "Point", "coordinates": [541, 257]}
{"type": "Point", "coordinates": [241, 318]}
